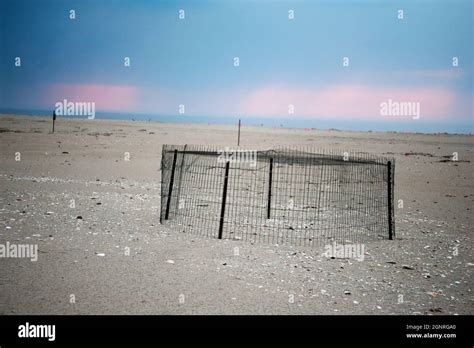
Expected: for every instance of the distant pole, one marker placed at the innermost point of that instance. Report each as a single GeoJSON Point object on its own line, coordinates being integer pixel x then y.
{"type": "Point", "coordinates": [54, 119]}
{"type": "Point", "coordinates": [238, 138]}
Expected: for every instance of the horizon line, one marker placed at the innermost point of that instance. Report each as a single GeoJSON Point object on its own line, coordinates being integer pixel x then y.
{"type": "Point", "coordinates": [293, 123]}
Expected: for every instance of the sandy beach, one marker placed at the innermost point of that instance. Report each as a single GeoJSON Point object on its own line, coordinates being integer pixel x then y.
{"type": "Point", "coordinates": [101, 249]}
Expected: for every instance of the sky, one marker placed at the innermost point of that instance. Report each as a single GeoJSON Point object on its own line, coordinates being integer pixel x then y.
{"type": "Point", "coordinates": [292, 68]}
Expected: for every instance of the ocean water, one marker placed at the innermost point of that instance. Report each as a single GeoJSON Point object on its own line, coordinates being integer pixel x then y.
{"type": "Point", "coordinates": [407, 125]}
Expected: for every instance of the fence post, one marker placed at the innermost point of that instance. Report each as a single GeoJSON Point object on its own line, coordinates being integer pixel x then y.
{"type": "Point", "coordinates": [54, 119]}
{"type": "Point", "coordinates": [270, 188]}
{"type": "Point", "coordinates": [389, 195]}
{"type": "Point", "coordinates": [170, 191]}
{"type": "Point", "coordinates": [224, 196]}
{"type": "Point", "coordinates": [180, 177]}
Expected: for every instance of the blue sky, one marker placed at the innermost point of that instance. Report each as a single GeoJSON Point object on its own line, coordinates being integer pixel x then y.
{"type": "Point", "coordinates": [283, 62]}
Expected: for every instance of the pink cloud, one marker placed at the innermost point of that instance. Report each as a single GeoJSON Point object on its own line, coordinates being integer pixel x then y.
{"type": "Point", "coordinates": [106, 97]}
{"type": "Point", "coordinates": [345, 100]}
{"type": "Point", "coordinates": [342, 101]}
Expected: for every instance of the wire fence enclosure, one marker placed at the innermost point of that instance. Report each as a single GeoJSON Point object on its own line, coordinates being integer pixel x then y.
{"type": "Point", "coordinates": [295, 196]}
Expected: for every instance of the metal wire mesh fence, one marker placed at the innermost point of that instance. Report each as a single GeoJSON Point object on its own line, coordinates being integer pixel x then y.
{"type": "Point", "coordinates": [296, 196]}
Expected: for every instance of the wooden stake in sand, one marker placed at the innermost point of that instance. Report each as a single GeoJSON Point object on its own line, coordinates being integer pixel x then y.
{"type": "Point", "coordinates": [238, 137]}
{"type": "Point", "coordinates": [54, 119]}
